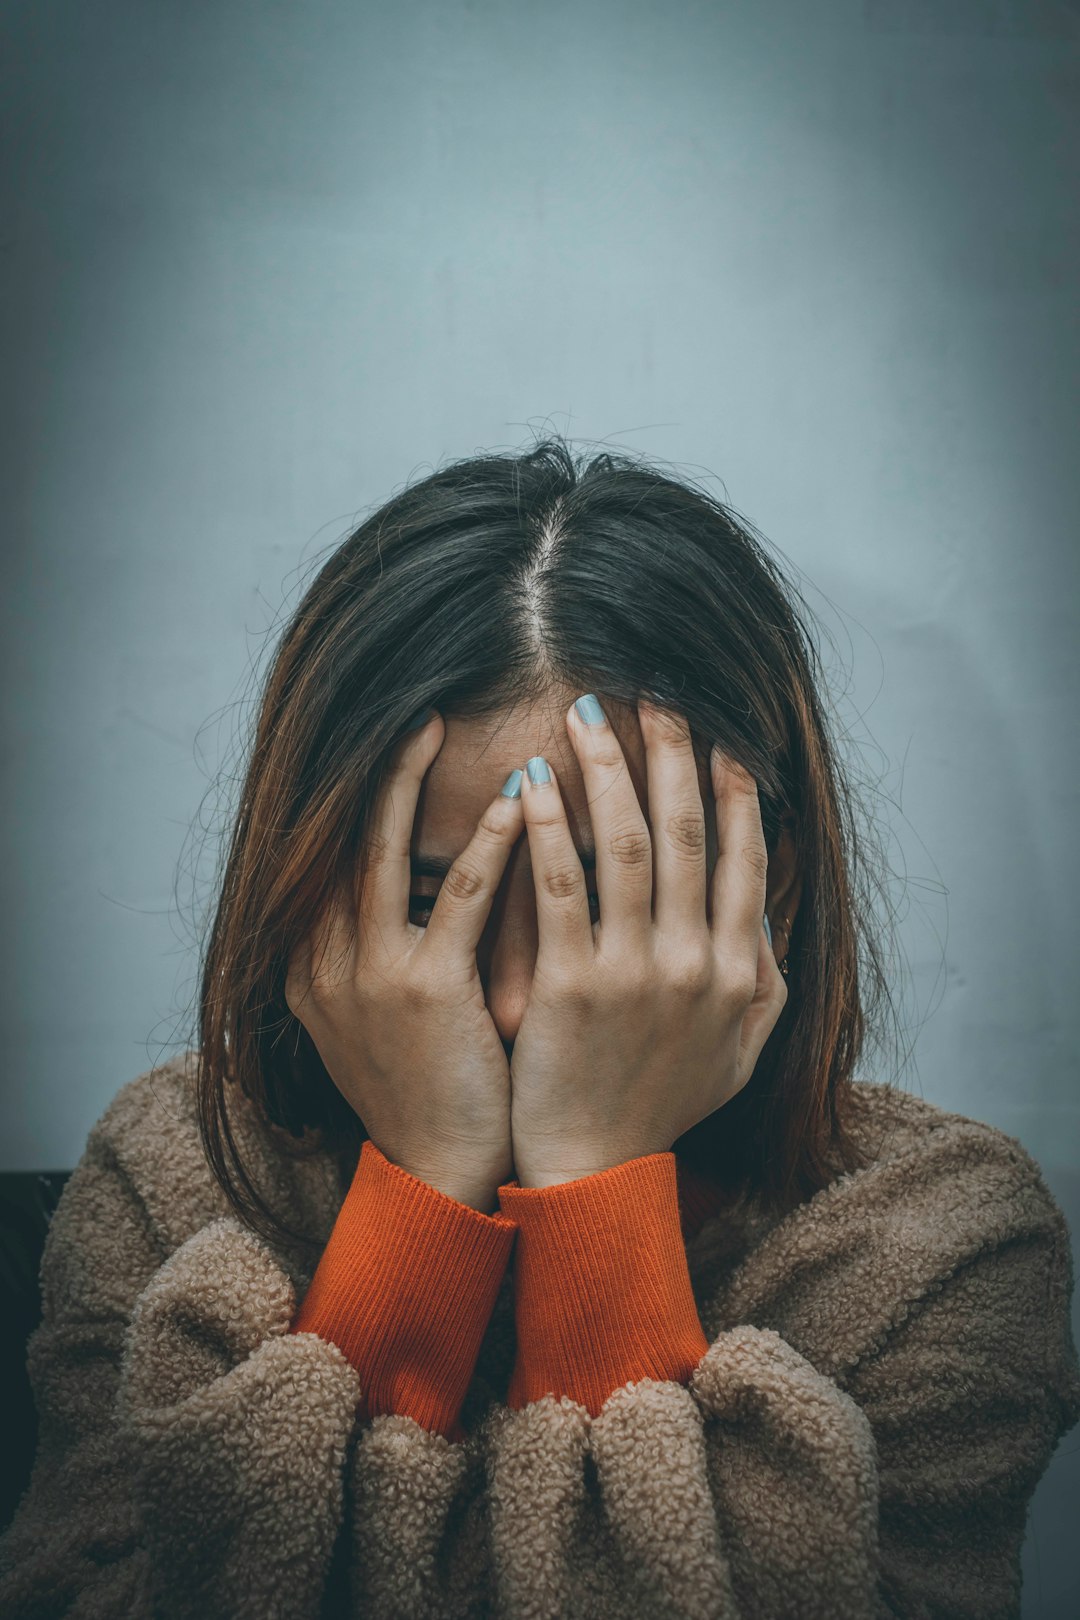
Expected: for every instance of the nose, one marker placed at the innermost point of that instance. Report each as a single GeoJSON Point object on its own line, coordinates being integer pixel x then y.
{"type": "Point", "coordinates": [505, 959]}
{"type": "Point", "coordinates": [506, 992]}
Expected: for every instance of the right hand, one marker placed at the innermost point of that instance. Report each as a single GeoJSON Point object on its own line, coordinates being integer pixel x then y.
{"type": "Point", "coordinates": [397, 1012]}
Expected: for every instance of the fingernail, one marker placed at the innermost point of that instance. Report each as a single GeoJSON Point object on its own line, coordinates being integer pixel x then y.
{"type": "Point", "coordinates": [768, 930]}
{"type": "Point", "coordinates": [511, 788]}
{"type": "Point", "coordinates": [420, 719]}
{"type": "Point", "coordinates": [590, 711]}
{"type": "Point", "coordinates": [538, 771]}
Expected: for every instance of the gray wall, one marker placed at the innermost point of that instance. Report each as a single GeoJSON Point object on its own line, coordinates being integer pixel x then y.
{"type": "Point", "coordinates": [266, 262]}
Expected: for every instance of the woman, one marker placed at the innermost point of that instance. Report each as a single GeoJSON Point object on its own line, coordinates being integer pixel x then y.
{"type": "Point", "coordinates": [516, 1237]}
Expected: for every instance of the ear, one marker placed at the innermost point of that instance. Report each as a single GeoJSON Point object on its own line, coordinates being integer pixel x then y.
{"type": "Point", "coordinates": [783, 887]}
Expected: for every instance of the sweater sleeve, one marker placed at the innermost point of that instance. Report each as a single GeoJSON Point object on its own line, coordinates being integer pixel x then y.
{"type": "Point", "coordinates": [179, 1424]}
{"type": "Point", "coordinates": [602, 1290]}
{"type": "Point", "coordinates": [875, 1461]}
{"type": "Point", "coordinates": [405, 1287]}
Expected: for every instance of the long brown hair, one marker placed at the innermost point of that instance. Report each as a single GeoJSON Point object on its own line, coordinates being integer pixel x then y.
{"type": "Point", "coordinates": [476, 589]}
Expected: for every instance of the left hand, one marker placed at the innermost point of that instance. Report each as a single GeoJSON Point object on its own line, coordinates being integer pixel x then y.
{"type": "Point", "coordinates": [643, 1024]}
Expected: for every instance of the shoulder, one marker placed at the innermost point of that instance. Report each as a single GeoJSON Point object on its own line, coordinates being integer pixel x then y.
{"type": "Point", "coordinates": [952, 1216]}
{"type": "Point", "coordinates": [150, 1134]}
{"type": "Point", "coordinates": [149, 1137]}
{"type": "Point", "coordinates": [141, 1187]}
{"type": "Point", "coordinates": [157, 1104]}
{"type": "Point", "coordinates": [938, 1194]}
{"type": "Point", "coordinates": [908, 1139]}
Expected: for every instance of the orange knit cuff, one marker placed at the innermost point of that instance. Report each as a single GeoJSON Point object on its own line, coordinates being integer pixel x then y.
{"type": "Point", "coordinates": [405, 1288]}
{"type": "Point", "coordinates": [602, 1292]}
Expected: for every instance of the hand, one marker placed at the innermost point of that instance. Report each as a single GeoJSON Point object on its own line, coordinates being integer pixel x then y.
{"type": "Point", "coordinates": [644, 1023]}
{"type": "Point", "coordinates": [397, 1013]}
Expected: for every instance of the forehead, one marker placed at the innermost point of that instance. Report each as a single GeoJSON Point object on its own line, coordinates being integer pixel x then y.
{"type": "Point", "coordinates": [478, 755]}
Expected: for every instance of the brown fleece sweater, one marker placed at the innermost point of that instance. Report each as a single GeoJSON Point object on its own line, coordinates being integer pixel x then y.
{"type": "Point", "coordinates": [614, 1397]}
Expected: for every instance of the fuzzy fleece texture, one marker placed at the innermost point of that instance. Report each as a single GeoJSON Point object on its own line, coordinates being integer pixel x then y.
{"type": "Point", "coordinates": [842, 1412]}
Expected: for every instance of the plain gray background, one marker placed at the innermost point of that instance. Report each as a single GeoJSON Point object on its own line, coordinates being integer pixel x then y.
{"type": "Point", "coordinates": [266, 263]}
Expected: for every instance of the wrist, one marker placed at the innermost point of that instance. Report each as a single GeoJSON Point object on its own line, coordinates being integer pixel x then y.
{"type": "Point", "coordinates": [479, 1192]}
{"type": "Point", "coordinates": [479, 1195]}
{"type": "Point", "coordinates": [551, 1178]}
{"type": "Point", "coordinates": [578, 1166]}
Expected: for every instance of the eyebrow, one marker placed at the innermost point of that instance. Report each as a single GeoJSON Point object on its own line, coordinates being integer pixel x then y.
{"type": "Point", "coordinates": [437, 866]}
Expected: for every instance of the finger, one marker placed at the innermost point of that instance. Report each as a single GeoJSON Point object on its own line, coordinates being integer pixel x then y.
{"type": "Point", "coordinates": [463, 903]}
{"type": "Point", "coordinates": [677, 818]}
{"type": "Point", "coordinates": [384, 902]}
{"type": "Point", "coordinates": [738, 882]}
{"type": "Point", "coordinates": [624, 854]}
{"type": "Point", "coordinates": [562, 899]}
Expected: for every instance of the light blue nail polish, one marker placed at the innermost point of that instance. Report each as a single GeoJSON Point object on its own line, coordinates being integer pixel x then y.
{"type": "Point", "coordinates": [538, 771]}
{"type": "Point", "coordinates": [511, 788]}
{"type": "Point", "coordinates": [768, 930]}
{"type": "Point", "coordinates": [420, 719]}
{"type": "Point", "coordinates": [590, 710]}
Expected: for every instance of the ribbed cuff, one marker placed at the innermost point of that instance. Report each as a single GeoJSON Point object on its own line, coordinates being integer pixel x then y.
{"type": "Point", "coordinates": [602, 1293]}
{"type": "Point", "coordinates": [405, 1288]}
